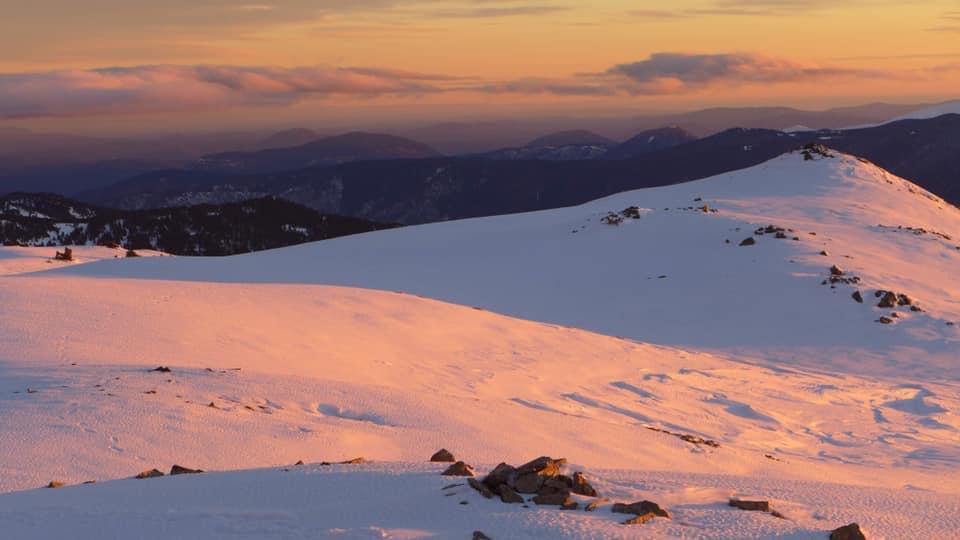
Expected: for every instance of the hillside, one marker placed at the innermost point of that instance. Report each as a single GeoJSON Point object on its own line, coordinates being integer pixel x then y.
{"type": "Point", "coordinates": [805, 397]}
{"type": "Point", "coordinates": [585, 273]}
{"type": "Point", "coordinates": [43, 219]}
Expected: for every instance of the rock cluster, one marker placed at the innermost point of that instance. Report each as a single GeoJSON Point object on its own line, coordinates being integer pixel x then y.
{"type": "Point", "coordinates": [543, 478]}
{"type": "Point", "coordinates": [815, 151]}
{"type": "Point", "coordinates": [692, 439]}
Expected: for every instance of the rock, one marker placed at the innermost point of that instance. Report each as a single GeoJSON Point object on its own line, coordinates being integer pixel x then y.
{"type": "Point", "coordinates": [836, 271]}
{"type": "Point", "coordinates": [162, 369]}
{"type": "Point", "coordinates": [904, 300]}
{"type": "Point", "coordinates": [824, 253]}
{"type": "Point", "coordinates": [55, 484]}
{"type": "Point", "coordinates": [481, 487]}
{"type": "Point", "coordinates": [442, 456]}
{"type": "Point", "coordinates": [354, 461]}
{"type": "Point", "coordinates": [531, 476]}
{"type": "Point", "coordinates": [857, 296]}
{"type": "Point", "coordinates": [478, 535]}
{"type": "Point", "coordinates": [885, 320]}
{"type": "Point", "coordinates": [556, 498]}
{"type": "Point", "coordinates": [781, 235]}
{"type": "Point", "coordinates": [528, 483]}
{"type": "Point", "coordinates": [594, 504]}
{"type": "Point", "coordinates": [297, 464]}
{"type": "Point", "coordinates": [848, 532]}
{"type": "Point", "coordinates": [501, 474]}
{"type": "Point", "coordinates": [753, 506]}
{"type": "Point", "coordinates": [581, 486]}
{"type": "Point", "coordinates": [177, 469]}
{"type": "Point", "coordinates": [640, 519]}
{"type": "Point", "coordinates": [640, 508]}
{"type": "Point", "coordinates": [152, 473]}
{"type": "Point", "coordinates": [748, 242]}
{"type": "Point", "coordinates": [508, 495]}
{"type": "Point", "coordinates": [570, 504]}
{"type": "Point", "coordinates": [543, 465]}
{"type": "Point", "coordinates": [458, 469]}
{"type": "Point", "coordinates": [888, 300]}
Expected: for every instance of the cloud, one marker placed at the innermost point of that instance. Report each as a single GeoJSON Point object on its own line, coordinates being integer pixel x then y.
{"type": "Point", "coordinates": [178, 88]}
{"type": "Point", "coordinates": [557, 87]}
{"type": "Point", "coordinates": [172, 88]}
{"type": "Point", "coordinates": [484, 12]}
{"type": "Point", "coordinates": [663, 73]}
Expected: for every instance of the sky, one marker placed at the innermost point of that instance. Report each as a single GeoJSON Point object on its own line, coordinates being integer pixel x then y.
{"type": "Point", "coordinates": [228, 63]}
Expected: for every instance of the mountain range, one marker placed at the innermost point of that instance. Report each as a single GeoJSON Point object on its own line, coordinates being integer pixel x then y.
{"type": "Point", "coordinates": [442, 188]}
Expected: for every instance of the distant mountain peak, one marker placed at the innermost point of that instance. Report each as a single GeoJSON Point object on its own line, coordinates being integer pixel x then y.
{"type": "Point", "coordinates": [574, 137]}
{"type": "Point", "coordinates": [325, 151]}
{"type": "Point", "coordinates": [289, 137]}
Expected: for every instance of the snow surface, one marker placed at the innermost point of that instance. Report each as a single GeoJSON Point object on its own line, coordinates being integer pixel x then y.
{"type": "Point", "coordinates": [832, 416]}
{"type": "Point", "coordinates": [20, 260]}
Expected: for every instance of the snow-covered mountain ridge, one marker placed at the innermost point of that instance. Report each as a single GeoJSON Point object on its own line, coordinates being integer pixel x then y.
{"type": "Point", "coordinates": [568, 266]}
{"type": "Point", "coordinates": [814, 404]}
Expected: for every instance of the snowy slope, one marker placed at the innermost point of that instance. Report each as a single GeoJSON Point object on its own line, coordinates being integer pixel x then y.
{"type": "Point", "coordinates": [831, 415]}
{"type": "Point", "coordinates": [21, 260]}
{"type": "Point", "coordinates": [764, 301]}
{"type": "Point", "coordinates": [405, 501]}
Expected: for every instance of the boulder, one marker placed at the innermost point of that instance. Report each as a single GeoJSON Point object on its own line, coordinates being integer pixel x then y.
{"type": "Point", "coordinates": [478, 535]}
{"type": "Point", "coordinates": [177, 469]}
{"type": "Point", "coordinates": [887, 299]}
{"type": "Point", "coordinates": [481, 487]}
{"type": "Point", "coordinates": [640, 508]}
{"type": "Point", "coordinates": [885, 320]}
{"type": "Point", "coordinates": [152, 473]}
{"type": "Point", "coordinates": [753, 506]}
{"type": "Point", "coordinates": [640, 519]}
{"type": "Point", "coordinates": [857, 297]}
{"type": "Point", "coordinates": [528, 483]}
{"type": "Point", "coordinates": [836, 271]}
{"type": "Point", "coordinates": [458, 469]}
{"type": "Point", "coordinates": [543, 465]}
{"type": "Point", "coordinates": [530, 477]}
{"type": "Point", "coordinates": [555, 498]}
{"type": "Point", "coordinates": [748, 241]}
{"type": "Point", "coordinates": [162, 369]}
{"type": "Point", "coordinates": [581, 486]}
{"type": "Point", "coordinates": [442, 456]}
{"type": "Point", "coordinates": [508, 495]}
{"type": "Point", "coordinates": [501, 474]}
{"type": "Point", "coordinates": [55, 484]}
{"type": "Point", "coordinates": [848, 532]}
{"type": "Point", "coordinates": [904, 300]}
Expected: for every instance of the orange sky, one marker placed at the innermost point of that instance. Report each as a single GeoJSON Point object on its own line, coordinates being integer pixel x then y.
{"type": "Point", "coordinates": [256, 61]}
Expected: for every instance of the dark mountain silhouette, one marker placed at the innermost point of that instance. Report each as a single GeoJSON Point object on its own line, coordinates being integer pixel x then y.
{"type": "Point", "coordinates": [326, 151]}
{"type": "Point", "coordinates": [434, 189]}
{"type": "Point", "coordinates": [289, 137]}
{"type": "Point", "coordinates": [650, 141]}
{"type": "Point", "coordinates": [44, 219]}
{"type": "Point", "coordinates": [576, 137]}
